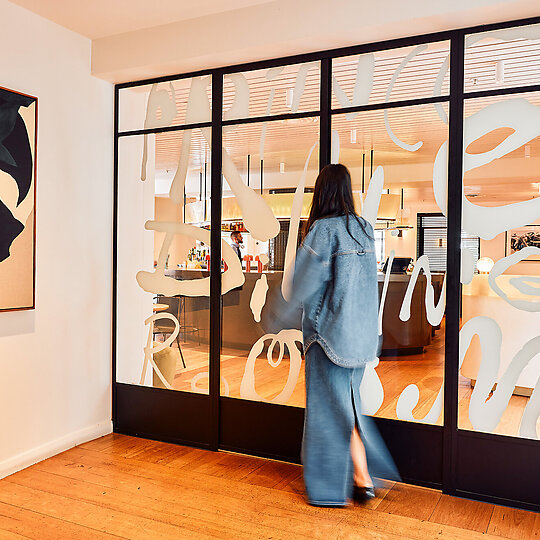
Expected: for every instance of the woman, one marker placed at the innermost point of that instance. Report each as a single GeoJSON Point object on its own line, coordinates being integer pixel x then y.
{"type": "Point", "coordinates": [335, 280]}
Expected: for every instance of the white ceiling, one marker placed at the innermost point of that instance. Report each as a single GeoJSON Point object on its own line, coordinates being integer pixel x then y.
{"type": "Point", "coordinates": [100, 18]}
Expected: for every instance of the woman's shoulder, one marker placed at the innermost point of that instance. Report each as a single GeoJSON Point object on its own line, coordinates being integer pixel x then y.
{"type": "Point", "coordinates": [326, 227]}
{"type": "Point", "coordinates": [336, 227]}
{"type": "Point", "coordinates": [339, 222]}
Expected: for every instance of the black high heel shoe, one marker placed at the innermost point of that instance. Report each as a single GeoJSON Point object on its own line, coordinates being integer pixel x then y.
{"type": "Point", "coordinates": [363, 494]}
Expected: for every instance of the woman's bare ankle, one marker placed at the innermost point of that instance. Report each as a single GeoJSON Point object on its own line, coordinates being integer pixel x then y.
{"type": "Point", "coordinates": [363, 482]}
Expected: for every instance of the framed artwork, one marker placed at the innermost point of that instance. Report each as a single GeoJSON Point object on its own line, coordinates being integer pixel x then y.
{"type": "Point", "coordinates": [527, 236]}
{"type": "Point", "coordinates": [18, 145]}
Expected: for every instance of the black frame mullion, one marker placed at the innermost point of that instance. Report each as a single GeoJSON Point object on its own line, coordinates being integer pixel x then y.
{"type": "Point", "coordinates": [419, 236]}
{"type": "Point", "coordinates": [216, 192]}
{"type": "Point", "coordinates": [269, 118]}
{"type": "Point", "coordinates": [453, 258]}
{"type": "Point", "coordinates": [114, 315]}
{"type": "Point", "coordinates": [325, 126]}
{"type": "Point", "coordinates": [502, 91]}
{"type": "Point", "coordinates": [392, 104]}
{"type": "Point", "coordinates": [164, 129]}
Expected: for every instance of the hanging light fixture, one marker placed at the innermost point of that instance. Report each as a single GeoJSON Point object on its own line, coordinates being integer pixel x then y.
{"type": "Point", "coordinates": [353, 136]}
{"type": "Point", "coordinates": [402, 222]}
{"type": "Point", "coordinates": [289, 97]}
{"type": "Point", "coordinates": [499, 71]}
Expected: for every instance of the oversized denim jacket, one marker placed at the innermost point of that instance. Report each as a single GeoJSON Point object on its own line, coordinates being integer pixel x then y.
{"type": "Point", "coordinates": [335, 280]}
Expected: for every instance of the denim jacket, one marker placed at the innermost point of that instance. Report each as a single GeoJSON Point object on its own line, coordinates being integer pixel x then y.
{"type": "Point", "coordinates": [335, 280]}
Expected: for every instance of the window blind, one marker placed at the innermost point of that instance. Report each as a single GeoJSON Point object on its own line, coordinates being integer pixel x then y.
{"type": "Point", "coordinates": [432, 237]}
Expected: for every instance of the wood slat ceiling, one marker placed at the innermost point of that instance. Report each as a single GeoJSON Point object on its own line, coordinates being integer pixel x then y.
{"type": "Point", "coordinates": [289, 141]}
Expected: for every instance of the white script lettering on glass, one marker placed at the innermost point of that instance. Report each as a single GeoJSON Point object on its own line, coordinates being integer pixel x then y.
{"type": "Point", "coordinates": [489, 221]}
{"type": "Point", "coordinates": [258, 297]}
{"type": "Point", "coordinates": [158, 283]}
{"type": "Point", "coordinates": [153, 347]}
{"type": "Point", "coordinates": [485, 412]}
{"type": "Point", "coordinates": [294, 227]}
{"type": "Point", "coordinates": [409, 147]}
{"type": "Point", "coordinates": [434, 312]}
{"type": "Point", "coordinates": [285, 338]}
{"type": "Point", "coordinates": [521, 283]}
{"type": "Point", "coordinates": [363, 85]}
{"type": "Point", "coordinates": [158, 100]}
{"type": "Point", "coordinates": [204, 375]}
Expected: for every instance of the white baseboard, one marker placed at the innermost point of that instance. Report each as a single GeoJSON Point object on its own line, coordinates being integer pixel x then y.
{"type": "Point", "coordinates": [47, 450]}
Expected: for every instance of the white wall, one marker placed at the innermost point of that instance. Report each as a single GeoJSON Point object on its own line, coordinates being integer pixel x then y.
{"type": "Point", "coordinates": [55, 382]}
{"type": "Point", "coordinates": [285, 27]}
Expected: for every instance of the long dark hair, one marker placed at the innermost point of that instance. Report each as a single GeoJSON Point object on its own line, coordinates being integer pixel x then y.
{"type": "Point", "coordinates": [332, 196]}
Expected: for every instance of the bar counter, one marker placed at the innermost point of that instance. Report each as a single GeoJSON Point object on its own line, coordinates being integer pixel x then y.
{"type": "Point", "coordinates": [240, 331]}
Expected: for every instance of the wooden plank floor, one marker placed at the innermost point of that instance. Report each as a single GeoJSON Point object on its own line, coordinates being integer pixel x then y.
{"type": "Point", "coordinates": [120, 486]}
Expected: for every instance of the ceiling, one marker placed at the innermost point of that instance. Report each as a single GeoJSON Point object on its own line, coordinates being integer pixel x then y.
{"type": "Point", "coordinates": [288, 142]}
{"type": "Point", "coordinates": [101, 18]}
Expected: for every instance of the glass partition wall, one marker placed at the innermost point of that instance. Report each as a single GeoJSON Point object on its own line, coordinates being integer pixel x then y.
{"type": "Point", "coordinates": [440, 135]}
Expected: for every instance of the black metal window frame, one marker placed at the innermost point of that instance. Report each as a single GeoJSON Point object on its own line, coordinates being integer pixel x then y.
{"type": "Point", "coordinates": [456, 100]}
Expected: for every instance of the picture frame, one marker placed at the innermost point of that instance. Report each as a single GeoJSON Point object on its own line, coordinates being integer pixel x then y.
{"type": "Point", "coordinates": [526, 236]}
{"type": "Point", "coordinates": [18, 168]}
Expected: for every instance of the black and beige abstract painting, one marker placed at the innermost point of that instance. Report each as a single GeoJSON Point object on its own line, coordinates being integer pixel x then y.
{"type": "Point", "coordinates": [18, 113]}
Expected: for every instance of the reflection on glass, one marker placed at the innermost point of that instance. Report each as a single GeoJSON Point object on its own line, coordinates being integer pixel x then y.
{"type": "Point", "coordinates": [163, 290]}
{"type": "Point", "coordinates": [406, 383]}
{"type": "Point", "coordinates": [500, 338]}
{"type": "Point", "coordinates": [502, 58]}
{"type": "Point", "coordinates": [391, 75]}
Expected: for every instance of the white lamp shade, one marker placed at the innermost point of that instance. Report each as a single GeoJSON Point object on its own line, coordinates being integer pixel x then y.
{"type": "Point", "coordinates": [484, 265]}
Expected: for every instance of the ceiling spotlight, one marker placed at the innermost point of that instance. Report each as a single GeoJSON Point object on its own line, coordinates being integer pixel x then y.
{"type": "Point", "coordinates": [499, 71]}
{"type": "Point", "coordinates": [353, 136]}
{"type": "Point", "coordinates": [282, 167]}
{"type": "Point", "coordinates": [527, 150]}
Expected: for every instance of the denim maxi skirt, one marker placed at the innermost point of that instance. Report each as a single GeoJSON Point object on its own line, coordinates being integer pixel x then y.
{"type": "Point", "coordinates": [332, 407]}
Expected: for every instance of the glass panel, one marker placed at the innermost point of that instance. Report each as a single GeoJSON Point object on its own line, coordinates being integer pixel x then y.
{"type": "Point", "coordinates": [406, 382]}
{"type": "Point", "coordinates": [261, 360]}
{"type": "Point", "coordinates": [281, 90]}
{"type": "Point", "coordinates": [391, 75]}
{"type": "Point", "coordinates": [502, 58]}
{"type": "Point", "coordinates": [163, 283]}
{"type": "Point", "coordinates": [174, 103]}
{"type": "Point", "coordinates": [500, 336]}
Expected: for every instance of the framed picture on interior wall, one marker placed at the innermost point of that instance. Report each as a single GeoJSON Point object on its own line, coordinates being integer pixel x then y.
{"type": "Point", "coordinates": [527, 236]}
{"type": "Point", "coordinates": [18, 145]}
